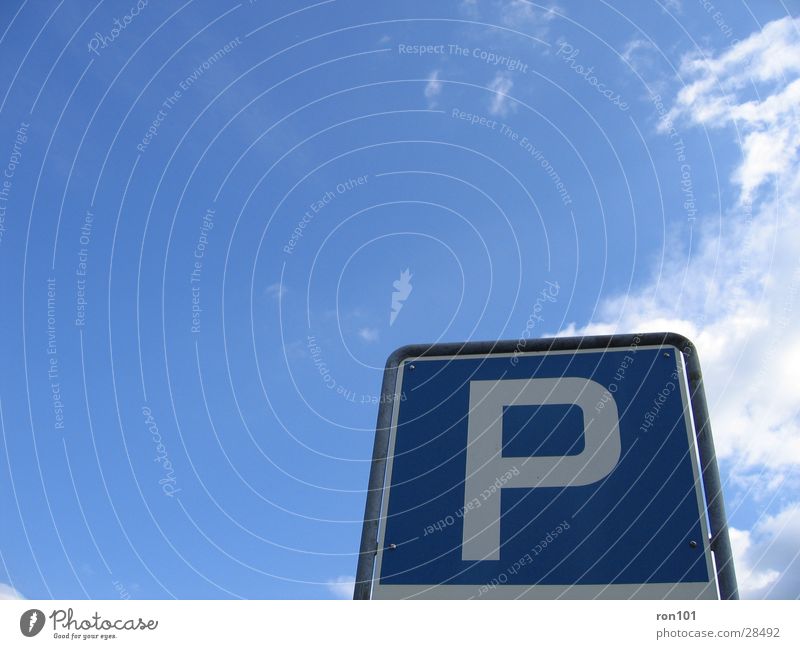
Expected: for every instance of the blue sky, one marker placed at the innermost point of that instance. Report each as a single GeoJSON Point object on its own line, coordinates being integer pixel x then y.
{"type": "Point", "coordinates": [205, 212]}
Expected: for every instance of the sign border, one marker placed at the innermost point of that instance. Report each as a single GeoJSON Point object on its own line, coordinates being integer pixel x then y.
{"type": "Point", "coordinates": [719, 540]}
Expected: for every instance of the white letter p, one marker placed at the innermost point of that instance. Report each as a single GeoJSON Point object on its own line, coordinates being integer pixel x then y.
{"type": "Point", "coordinates": [486, 464]}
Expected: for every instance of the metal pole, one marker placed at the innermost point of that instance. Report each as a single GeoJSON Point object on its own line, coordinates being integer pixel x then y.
{"type": "Point", "coordinates": [720, 540]}
{"type": "Point", "coordinates": [372, 510]}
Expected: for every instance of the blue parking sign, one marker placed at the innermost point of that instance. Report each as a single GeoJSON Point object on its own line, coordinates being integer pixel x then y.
{"type": "Point", "coordinates": [562, 468]}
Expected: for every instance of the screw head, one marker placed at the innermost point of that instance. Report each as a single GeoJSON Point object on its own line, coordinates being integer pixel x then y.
{"type": "Point", "coordinates": [666, 354]}
{"type": "Point", "coordinates": [411, 367]}
{"type": "Point", "coordinates": [392, 546]}
{"type": "Point", "coordinates": [692, 544]}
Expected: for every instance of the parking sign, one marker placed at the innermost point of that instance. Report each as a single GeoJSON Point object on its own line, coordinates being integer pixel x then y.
{"type": "Point", "coordinates": [557, 468]}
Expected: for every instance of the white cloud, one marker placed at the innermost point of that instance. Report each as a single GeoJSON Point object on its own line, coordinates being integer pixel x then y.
{"type": "Point", "coordinates": [767, 558]}
{"type": "Point", "coordinates": [277, 290]}
{"type": "Point", "coordinates": [433, 88]}
{"type": "Point", "coordinates": [643, 56]}
{"type": "Point", "coordinates": [297, 349]}
{"type": "Point", "coordinates": [635, 49]}
{"type": "Point", "coordinates": [9, 592]}
{"type": "Point", "coordinates": [751, 579]}
{"type": "Point", "coordinates": [469, 7]}
{"type": "Point", "coordinates": [342, 587]}
{"type": "Point", "coordinates": [738, 295]}
{"type": "Point", "coordinates": [521, 13]}
{"type": "Point", "coordinates": [673, 5]}
{"type": "Point", "coordinates": [721, 93]}
{"type": "Point", "coordinates": [533, 19]}
{"type": "Point", "coordinates": [368, 334]}
{"type": "Point", "coordinates": [500, 86]}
